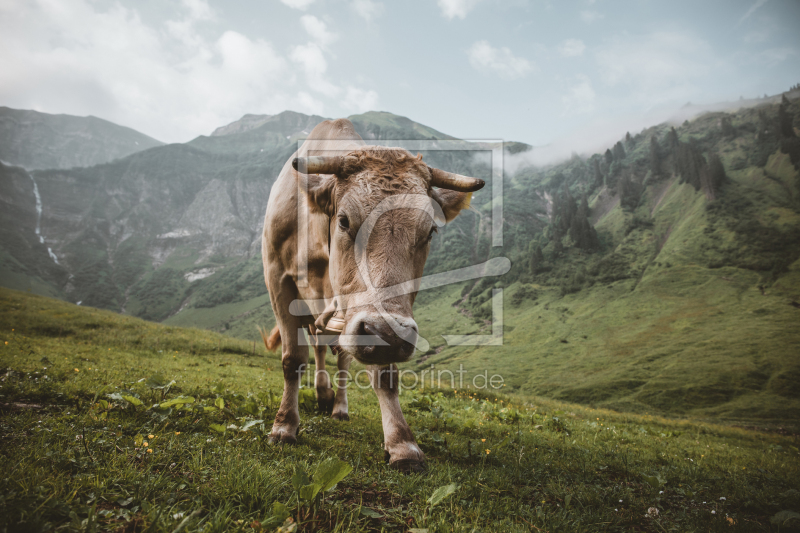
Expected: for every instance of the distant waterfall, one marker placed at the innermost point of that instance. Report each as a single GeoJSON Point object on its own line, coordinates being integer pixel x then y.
{"type": "Point", "coordinates": [39, 219]}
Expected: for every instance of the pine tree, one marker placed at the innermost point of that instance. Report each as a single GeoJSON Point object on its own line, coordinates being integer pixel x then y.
{"type": "Point", "coordinates": [609, 157]}
{"type": "Point", "coordinates": [672, 139]}
{"type": "Point", "coordinates": [558, 246]}
{"type": "Point", "coordinates": [581, 230]}
{"type": "Point", "coordinates": [785, 119]}
{"type": "Point", "coordinates": [597, 177]}
{"type": "Point", "coordinates": [628, 140]}
{"type": "Point", "coordinates": [655, 158]}
{"type": "Point", "coordinates": [619, 151]}
{"type": "Point", "coordinates": [630, 191]}
{"type": "Point", "coordinates": [716, 173]}
{"type": "Point", "coordinates": [537, 258]}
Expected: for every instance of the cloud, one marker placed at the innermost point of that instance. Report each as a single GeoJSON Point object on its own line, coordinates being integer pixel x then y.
{"type": "Point", "coordinates": [310, 57]}
{"type": "Point", "coordinates": [302, 5]}
{"type": "Point", "coordinates": [589, 16]}
{"type": "Point", "coordinates": [367, 9]}
{"type": "Point", "coordinates": [169, 80]}
{"type": "Point", "coordinates": [485, 58]}
{"type": "Point", "coordinates": [579, 97]}
{"type": "Point", "coordinates": [198, 9]}
{"type": "Point", "coordinates": [317, 30]}
{"type": "Point", "coordinates": [572, 48]}
{"type": "Point", "coordinates": [757, 4]}
{"type": "Point", "coordinates": [360, 100]}
{"type": "Point", "coordinates": [657, 67]}
{"type": "Point", "coordinates": [457, 8]}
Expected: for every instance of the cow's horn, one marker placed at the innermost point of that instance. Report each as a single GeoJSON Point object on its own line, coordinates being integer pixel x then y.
{"type": "Point", "coordinates": [454, 182]}
{"type": "Point", "coordinates": [318, 164]}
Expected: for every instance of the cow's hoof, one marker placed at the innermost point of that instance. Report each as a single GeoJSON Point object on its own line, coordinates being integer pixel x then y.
{"type": "Point", "coordinates": [282, 438]}
{"type": "Point", "coordinates": [340, 416]}
{"type": "Point", "coordinates": [408, 466]}
{"type": "Point", "coordinates": [325, 405]}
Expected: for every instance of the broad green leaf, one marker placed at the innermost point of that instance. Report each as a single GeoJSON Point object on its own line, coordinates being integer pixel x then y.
{"type": "Point", "coordinates": [114, 396]}
{"type": "Point", "coordinates": [299, 479]}
{"type": "Point", "coordinates": [177, 401]}
{"type": "Point", "coordinates": [220, 403]}
{"type": "Point", "coordinates": [138, 440]}
{"type": "Point", "coordinates": [330, 472]}
{"type": "Point", "coordinates": [441, 493]}
{"type": "Point", "coordinates": [309, 492]}
{"type": "Point", "coordinates": [219, 428]}
{"type": "Point", "coordinates": [567, 500]}
{"type": "Point", "coordinates": [280, 512]}
{"type": "Point", "coordinates": [133, 400]}
{"type": "Point", "coordinates": [158, 381]}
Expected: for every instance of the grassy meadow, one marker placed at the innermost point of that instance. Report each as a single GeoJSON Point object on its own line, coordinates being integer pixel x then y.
{"type": "Point", "coordinates": [110, 423]}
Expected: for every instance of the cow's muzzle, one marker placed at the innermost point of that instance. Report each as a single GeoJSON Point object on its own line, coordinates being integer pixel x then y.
{"type": "Point", "coordinates": [374, 341]}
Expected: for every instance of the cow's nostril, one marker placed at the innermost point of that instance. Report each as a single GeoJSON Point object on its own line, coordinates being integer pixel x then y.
{"type": "Point", "coordinates": [369, 329]}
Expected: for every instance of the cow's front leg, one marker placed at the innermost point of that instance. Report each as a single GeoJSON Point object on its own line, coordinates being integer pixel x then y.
{"type": "Point", "coordinates": [398, 441]}
{"type": "Point", "coordinates": [294, 362]}
{"type": "Point", "coordinates": [340, 403]}
{"type": "Point", "coordinates": [322, 381]}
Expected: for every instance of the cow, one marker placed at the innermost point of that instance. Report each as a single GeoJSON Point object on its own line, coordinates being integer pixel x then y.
{"type": "Point", "coordinates": [349, 251]}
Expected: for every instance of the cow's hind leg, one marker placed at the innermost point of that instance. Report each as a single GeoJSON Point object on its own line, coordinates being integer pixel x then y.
{"type": "Point", "coordinates": [322, 380]}
{"type": "Point", "coordinates": [340, 403]}
{"type": "Point", "coordinates": [399, 444]}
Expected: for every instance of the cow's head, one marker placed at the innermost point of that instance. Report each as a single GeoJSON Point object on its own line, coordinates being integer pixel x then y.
{"type": "Point", "coordinates": [384, 207]}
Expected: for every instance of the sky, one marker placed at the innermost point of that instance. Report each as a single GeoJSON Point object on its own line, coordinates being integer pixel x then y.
{"type": "Point", "coordinates": [536, 71]}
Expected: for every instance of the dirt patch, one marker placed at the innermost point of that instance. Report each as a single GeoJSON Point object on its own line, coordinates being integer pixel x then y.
{"type": "Point", "coordinates": [659, 192]}
{"type": "Point", "coordinates": [604, 204]}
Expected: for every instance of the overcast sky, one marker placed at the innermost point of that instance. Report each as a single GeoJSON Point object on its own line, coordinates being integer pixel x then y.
{"type": "Point", "coordinates": [527, 70]}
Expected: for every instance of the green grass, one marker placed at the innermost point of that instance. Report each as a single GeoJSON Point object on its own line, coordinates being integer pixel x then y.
{"type": "Point", "coordinates": [73, 458]}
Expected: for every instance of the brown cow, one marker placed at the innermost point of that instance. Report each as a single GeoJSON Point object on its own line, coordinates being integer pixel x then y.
{"type": "Point", "coordinates": [364, 229]}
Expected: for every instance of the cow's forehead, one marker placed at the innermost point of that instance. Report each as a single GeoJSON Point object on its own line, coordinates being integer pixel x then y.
{"type": "Point", "coordinates": [367, 189]}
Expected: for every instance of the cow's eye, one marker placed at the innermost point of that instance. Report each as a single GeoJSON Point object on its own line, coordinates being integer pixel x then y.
{"type": "Point", "coordinates": [344, 223]}
{"type": "Point", "coordinates": [434, 229]}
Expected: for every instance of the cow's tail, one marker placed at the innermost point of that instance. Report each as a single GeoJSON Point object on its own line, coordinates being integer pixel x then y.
{"type": "Point", "coordinates": [271, 341]}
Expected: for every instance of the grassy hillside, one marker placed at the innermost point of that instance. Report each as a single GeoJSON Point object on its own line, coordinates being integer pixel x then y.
{"type": "Point", "coordinates": [82, 451]}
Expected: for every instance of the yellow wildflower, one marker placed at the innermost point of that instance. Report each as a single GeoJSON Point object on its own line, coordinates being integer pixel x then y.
{"type": "Point", "coordinates": [177, 432]}
{"type": "Point", "coordinates": [150, 437]}
{"type": "Point", "coordinates": [76, 370]}
{"type": "Point", "coordinates": [487, 452]}
{"type": "Point", "coordinates": [149, 450]}
{"type": "Point", "coordinates": [145, 444]}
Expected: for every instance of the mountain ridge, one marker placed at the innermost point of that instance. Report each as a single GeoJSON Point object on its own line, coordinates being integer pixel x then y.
{"type": "Point", "coordinates": [36, 140]}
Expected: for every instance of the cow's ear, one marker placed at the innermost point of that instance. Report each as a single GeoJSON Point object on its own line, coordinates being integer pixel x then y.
{"type": "Point", "coordinates": [452, 202]}
{"type": "Point", "coordinates": [320, 191]}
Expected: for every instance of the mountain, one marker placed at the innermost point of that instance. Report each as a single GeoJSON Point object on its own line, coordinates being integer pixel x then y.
{"type": "Point", "coordinates": [35, 140]}
{"type": "Point", "coordinates": [660, 276]}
